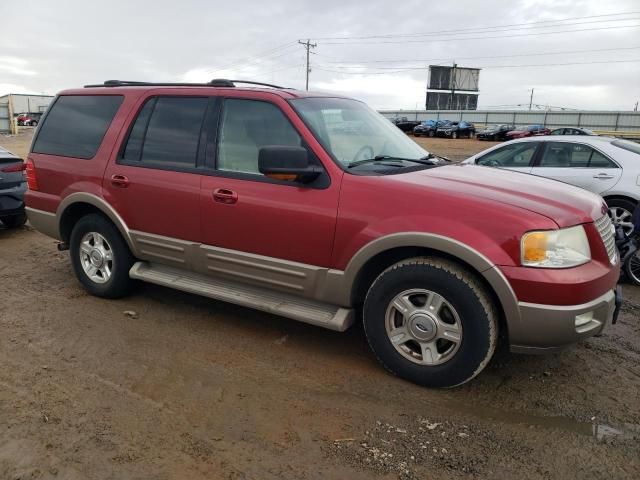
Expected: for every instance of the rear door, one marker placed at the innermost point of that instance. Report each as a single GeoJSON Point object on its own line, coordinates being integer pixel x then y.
{"type": "Point", "coordinates": [516, 156]}
{"type": "Point", "coordinates": [154, 184]}
{"type": "Point", "coordinates": [578, 164]}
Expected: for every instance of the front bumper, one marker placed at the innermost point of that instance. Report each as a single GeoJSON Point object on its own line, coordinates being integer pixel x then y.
{"type": "Point", "coordinates": [547, 328]}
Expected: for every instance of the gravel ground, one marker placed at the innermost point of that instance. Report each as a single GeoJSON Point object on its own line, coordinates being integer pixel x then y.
{"type": "Point", "coordinates": [186, 387]}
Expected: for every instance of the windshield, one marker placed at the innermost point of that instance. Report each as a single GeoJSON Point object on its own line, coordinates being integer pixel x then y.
{"type": "Point", "coordinates": [351, 131]}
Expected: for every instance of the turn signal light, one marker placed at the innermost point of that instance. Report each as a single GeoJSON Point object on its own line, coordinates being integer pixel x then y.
{"type": "Point", "coordinates": [534, 247]}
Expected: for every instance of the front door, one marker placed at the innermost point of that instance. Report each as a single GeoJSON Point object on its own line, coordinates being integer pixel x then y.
{"type": "Point", "coordinates": [516, 156]}
{"type": "Point", "coordinates": [258, 221]}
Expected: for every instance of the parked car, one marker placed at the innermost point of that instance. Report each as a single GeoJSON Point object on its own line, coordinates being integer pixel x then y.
{"type": "Point", "coordinates": [404, 124]}
{"type": "Point", "coordinates": [245, 195]}
{"type": "Point", "coordinates": [495, 132]}
{"type": "Point", "coordinates": [456, 130]}
{"type": "Point", "coordinates": [607, 166]}
{"type": "Point", "coordinates": [571, 131]}
{"type": "Point", "coordinates": [29, 119]}
{"type": "Point", "coordinates": [12, 188]}
{"type": "Point", "coordinates": [428, 128]}
{"type": "Point", "coordinates": [528, 131]}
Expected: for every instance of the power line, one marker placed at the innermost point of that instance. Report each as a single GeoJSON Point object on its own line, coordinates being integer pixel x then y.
{"type": "Point", "coordinates": [259, 56]}
{"type": "Point", "coordinates": [449, 39]}
{"type": "Point", "coordinates": [479, 29]}
{"type": "Point", "coordinates": [406, 69]}
{"type": "Point", "coordinates": [565, 52]}
{"type": "Point", "coordinates": [486, 28]}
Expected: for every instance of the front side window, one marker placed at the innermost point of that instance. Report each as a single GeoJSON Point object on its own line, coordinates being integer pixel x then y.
{"type": "Point", "coordinates": [573, 155]}
{"type": "Point", "coordinates": [351, 131]}
{"type": "Point", "coordinates": [511, 156]}
{"type": "Point", "coordinates": [247, 126]}
{"type": "Point", "coordinates": [76, 125]}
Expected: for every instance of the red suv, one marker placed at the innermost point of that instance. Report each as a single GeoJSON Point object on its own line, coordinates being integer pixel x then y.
{"type": "Point", "coordinates": [316, 208]}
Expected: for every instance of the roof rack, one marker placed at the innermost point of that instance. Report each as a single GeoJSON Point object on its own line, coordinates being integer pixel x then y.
{"type": "Point", "coordinates": [217, 82]}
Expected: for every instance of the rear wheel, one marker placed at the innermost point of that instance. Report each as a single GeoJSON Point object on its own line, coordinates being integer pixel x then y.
{"type": "Point", "coordinates": [100, 257]}
{"type": "Point", "coordinates": [621, 213]}
{"type": "Point", "coordinates": [431, 322]}
{"type": "Point", "coordinates": [432, 133]}
{"type": "Point", "coordinates": [15, 221]}
{"type": "Point", "coordinates": [454, 135]}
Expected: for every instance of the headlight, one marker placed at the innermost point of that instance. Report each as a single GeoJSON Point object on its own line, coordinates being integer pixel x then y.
{"type": "Point", "coordinates": [567, 247]}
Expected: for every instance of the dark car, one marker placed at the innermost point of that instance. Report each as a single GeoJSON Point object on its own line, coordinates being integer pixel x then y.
{"type": "Point", "coordinates": [404, 124]}
{"type": "Point", "coordinates": [495, 132]}
{"type": "Point", "coordinates": [428, 127]}
{"type": "Point", "coordinates": [528, 131]}
{"type": "Point", "coordinates": [456, 130]}
{"type": "Point", "coordinates": [12, 187]}
{"type": "Point", "coordinates": [571, 131]}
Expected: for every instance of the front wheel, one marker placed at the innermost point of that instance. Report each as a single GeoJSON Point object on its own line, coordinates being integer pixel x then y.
{"type": "Point", "coordinates": [432, 133]}
{"type": "Point", "coordinates": [454, 135]}
{"type": "Point", "coordinates": [431, 322]}
{"type": "Point", "coordinates": [100, 257]}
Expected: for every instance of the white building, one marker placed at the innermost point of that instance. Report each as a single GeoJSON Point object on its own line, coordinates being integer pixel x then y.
{"type": "Point", "coordinates": [15, 103]}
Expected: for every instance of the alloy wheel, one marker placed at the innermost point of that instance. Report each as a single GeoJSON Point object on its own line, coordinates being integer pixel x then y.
{"type": "Point", "coordinates": [622, 217]}
{"type": "Point", "coordinates": [96, 257]}
{"type": "Point", "coordinates": [423, 327]}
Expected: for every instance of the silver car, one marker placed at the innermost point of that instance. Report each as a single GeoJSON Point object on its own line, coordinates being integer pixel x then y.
{"type": "Point", "coordinates": [604, 165]}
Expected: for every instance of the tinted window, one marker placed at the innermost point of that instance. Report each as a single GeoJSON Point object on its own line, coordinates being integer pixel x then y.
{"type": "Point", "coordinates": [76, 124]}
{"type": "Point", "coordinates": [573, 155]}
{"type": "Point", "coordinates": [133, 149]}
{"type": "Point", "coordinates": [173, 132]}
{"type": "Point", "coordinates": [514, 155]}
{"type": "Point", "coordinates": [247, 126]}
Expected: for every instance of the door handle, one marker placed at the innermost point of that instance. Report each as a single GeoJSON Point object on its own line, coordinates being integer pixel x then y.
{"type": "Point", "coordinates": [119, 181]}
{"type": "Point", "coordinates": [603, 176]}
{"type": "Point", "coordinates": [222, 195]}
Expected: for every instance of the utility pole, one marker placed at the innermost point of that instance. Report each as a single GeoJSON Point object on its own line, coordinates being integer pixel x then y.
{"type": "Point", "coordinates": [308, 46]}
{"type": "Point", "coordinates": [635, 109]}
{"type": "Point", "coordinates": [453, 85]}
{"type": "Point", "coordinates": [531, 99]}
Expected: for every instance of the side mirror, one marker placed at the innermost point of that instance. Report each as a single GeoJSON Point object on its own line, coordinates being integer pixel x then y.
{"type": "Point", "coordinates": [282, 162]}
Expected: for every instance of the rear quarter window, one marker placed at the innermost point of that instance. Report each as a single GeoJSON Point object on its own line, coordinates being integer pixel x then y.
{"type": "Point", "coordinates": [76, 124]}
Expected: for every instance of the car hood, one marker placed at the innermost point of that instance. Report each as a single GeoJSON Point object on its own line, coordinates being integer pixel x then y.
{"type": "Point", "coordinates": [564, 204]}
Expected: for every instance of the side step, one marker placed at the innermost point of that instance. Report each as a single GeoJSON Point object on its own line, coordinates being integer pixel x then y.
{"type": "Point", "coordinates": [286, 305]}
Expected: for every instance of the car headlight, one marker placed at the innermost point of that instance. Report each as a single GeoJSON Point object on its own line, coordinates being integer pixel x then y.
{"type": "Point", "coordinates": [567, 247]}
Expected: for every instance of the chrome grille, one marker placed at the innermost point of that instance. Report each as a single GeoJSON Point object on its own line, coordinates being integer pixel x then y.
{"type": "Point", "coordinates": [607, 233]}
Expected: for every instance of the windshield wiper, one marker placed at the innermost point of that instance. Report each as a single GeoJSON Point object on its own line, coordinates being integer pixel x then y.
{"type": "Point", "coordinates": [427, 160]}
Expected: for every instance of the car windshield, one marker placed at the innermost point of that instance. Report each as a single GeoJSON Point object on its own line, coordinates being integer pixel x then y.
{"type": "Point", "coordinates": [351, 131]}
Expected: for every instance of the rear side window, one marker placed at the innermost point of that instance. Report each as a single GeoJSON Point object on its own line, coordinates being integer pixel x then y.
{"type": "Point", "coordinates": [166, 132]}
{"type": "Point", "coordinates": [76, 124]}
{"type": "Point", "coordinates": [514, 155]}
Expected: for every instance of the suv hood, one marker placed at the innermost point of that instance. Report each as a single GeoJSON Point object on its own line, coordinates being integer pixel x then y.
{"type": "Point", "coordinates": [564, 204]}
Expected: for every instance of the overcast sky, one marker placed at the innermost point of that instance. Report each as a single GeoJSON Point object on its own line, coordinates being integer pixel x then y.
{"type": "Point", "coordinates": [49, 45]}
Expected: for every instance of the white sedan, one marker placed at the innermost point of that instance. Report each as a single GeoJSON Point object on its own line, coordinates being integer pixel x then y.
{"type": "Point", "coordinates": [604, 165]}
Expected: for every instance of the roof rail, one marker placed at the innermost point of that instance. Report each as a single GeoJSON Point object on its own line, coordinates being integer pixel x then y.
{"type": "Point", "coordinates": [217, 82]}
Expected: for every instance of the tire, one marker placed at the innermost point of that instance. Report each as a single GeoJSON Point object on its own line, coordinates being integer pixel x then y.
{"type": "Point", "coordinates": [15, 221]}
{"type": "Point", "coordinates": [621, 213]}
{"type": "Point", "coordinates": [454, 135]}
{"type": "Point", "coordinates": [34, 124]}
{"type": "Point", "coordinates": [116, 283]}
{"type": "Point", "coordinates": [465, 300]}
{"type": "Point", "coordinates": [632, 268]}
{"type": "Point", "coordinates": [432, 133]}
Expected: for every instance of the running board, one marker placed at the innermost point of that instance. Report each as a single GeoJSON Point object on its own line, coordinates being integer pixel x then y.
{"type": "Point", "coordinates": [286, 305]}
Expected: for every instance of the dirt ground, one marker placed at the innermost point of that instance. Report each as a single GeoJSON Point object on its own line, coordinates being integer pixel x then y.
{"type": "Point", "coordinates": [190, 388]}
